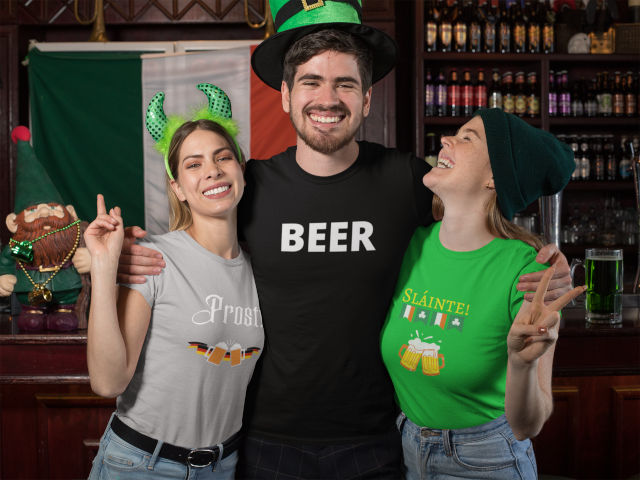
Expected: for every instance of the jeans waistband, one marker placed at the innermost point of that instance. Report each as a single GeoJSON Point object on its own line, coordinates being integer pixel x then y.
{"type": "Point", "coordinates": [459, 435]}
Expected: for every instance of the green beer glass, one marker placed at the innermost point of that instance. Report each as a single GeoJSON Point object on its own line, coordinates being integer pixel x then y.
{"type": "Point", "coordinates": [603, 277]}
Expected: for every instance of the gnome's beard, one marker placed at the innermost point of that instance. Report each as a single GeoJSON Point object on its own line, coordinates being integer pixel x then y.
{"type": "Point", "coordinates": [52, 249]}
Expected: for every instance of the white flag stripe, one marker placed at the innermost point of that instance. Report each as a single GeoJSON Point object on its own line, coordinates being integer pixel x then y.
{"type": "Point", "coordinates": [177, 76]}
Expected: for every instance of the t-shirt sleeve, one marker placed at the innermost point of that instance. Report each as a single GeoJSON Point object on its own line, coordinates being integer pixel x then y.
{"type": "Point", "coordinates": [150, 288]}
{"type": "Point", "coordinates": [422, 195]}
{"type": "Point", "coordinates": [517, 297]}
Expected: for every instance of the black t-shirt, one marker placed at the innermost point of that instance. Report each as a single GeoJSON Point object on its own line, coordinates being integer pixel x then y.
{"type": "Point", "coordinates": [326, 252]}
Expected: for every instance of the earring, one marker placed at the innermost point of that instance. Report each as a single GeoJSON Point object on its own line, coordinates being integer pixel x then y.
{"type": "Point", "coordinates": [487, 185]}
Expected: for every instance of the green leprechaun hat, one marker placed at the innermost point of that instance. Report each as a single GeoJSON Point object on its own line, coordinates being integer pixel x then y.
{"type": "Point", "coordinates": [33, 185]}
{"type": "Point", "coordinates": [294, 19]}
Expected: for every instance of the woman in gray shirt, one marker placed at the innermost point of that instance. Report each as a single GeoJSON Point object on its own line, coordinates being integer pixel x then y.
{"type": "Point", "coordinates": [178, 350]}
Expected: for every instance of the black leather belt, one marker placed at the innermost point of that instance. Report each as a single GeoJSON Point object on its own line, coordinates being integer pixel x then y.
{"type": "Point", "coordinates": [197, 457]}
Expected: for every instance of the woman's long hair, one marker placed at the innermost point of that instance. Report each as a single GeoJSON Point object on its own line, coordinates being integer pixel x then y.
{"type": "Point", "coordinates": [180, 217]}
{"type": "Point", "coordinates": [497, 224]}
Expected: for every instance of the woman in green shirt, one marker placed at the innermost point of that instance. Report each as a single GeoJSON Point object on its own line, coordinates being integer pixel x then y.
{"type": "Point", "coordinates": [469, 358]}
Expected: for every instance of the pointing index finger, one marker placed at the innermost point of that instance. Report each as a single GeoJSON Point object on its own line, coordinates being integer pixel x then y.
{"type": "Point", "coordinates": [101, 207]}
{"type": "Point", "coordinates": [541, 291]}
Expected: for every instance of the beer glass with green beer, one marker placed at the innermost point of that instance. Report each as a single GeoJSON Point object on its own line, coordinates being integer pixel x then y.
{"type": "Point", "coordinates": [603, 277]}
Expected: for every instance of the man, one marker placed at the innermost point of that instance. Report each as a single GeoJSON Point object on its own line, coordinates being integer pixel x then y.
{"type": "Point", "coordinates": [327, 223]}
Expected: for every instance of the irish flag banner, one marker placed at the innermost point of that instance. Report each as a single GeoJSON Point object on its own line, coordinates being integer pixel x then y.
{"type": "Point", "coordinates": [87, 121]}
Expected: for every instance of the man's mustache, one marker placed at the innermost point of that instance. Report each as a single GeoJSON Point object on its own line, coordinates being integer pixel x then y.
{"type": "Point", "coordinates": [339, 109]}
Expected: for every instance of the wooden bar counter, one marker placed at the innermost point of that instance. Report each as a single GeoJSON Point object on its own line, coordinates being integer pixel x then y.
{"type": "Point", "coordinates": [51, 422]}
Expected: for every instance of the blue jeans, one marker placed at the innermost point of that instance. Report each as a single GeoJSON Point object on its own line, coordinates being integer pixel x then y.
{"type": "Point", "coordinates": [117, 459]}
{"type": "Point", "coordinates": [488, 451]}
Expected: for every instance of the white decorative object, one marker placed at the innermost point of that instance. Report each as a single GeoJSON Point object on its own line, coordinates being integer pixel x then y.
{"type": "Point", "coordinates": [579, 43]}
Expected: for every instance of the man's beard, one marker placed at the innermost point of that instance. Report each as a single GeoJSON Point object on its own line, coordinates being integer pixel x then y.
{"type": "Point", "coordinates": [52, 249]}
{"type": "Point", "coordinates": [322, 142]}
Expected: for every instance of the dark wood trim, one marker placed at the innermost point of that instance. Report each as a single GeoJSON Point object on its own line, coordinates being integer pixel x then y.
{"type": "Point", "coordinates": [596, 371]}
{"type": "Point", "coordinates": [570, 395]}
{"type": "Point", "coordinates": [620, 396]}
{"type": "Point", "coordinates": [8, 121]}
{"type": "Point", "coordinates": [79, 338]}
{"type": "Point", "coordinates": [452, 57]}
{"type": "Point", "coordinates": [44, 403]}
{"type": "Point", "coordinates": [44, 379]}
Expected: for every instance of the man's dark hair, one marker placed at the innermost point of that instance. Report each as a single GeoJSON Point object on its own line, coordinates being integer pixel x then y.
{"type": "Point", "coordinates": [328, 40]}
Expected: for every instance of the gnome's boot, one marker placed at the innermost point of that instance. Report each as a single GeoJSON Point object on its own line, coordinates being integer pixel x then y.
{"type": "Point", "coordinates": [32, 319]}
{"type": "Point", "coordinates": [63, 318]}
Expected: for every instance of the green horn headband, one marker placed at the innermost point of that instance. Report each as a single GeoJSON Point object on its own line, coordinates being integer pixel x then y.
{"type": "Point", "coordinates": [162, 127]}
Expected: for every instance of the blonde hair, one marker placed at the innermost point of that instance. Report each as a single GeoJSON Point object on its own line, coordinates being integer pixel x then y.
{"type": "Point", "coordinates": [180, 217]}
{"type": "Point", "coordinates": [497, 224]}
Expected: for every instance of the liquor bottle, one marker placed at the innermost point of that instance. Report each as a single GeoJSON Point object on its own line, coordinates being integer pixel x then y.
{"type": "Point", "coordinates": [533, 99]}
{"type": "Point", "coordinates": [495, 93]}
{"type": "Point", "coordinates": [630, 106]}
{"type": "Point", "coordinates": [480, 92]}
{"type": "Point", "coordinates": [431, 28]}
{"type": "Point", "coordinates": [605, 108]}
{"type": "Point", "coordinates": [585, 158]}
{"type": "Point", "coordinates": [453, 94]}
{"type": "Point", "coordinates": [429, 95]}
{"type": "Point", "coordinates": [564, 97]}
{"type": "Point", "coordinates": [599, 162]}
{"type": "Point", "coordinates": [503, 30]}
{"type": "Point", "coordinates": [520, 103]}
{"type": "Point", "coordinates": [475, 27]}
{"type": "Point", "coordinates": [624, 165]}
{"type": "Point", "coordinates": [598, 90]}
{"type": "Point", "coordinates": [489, 36]}
{"type": "Point", "coordinates": [572, 140]}
{"type": "Point", "coordinates": [618, 97]}
{"type": "Point", "coordinates": [431, 156]}
{"type": "Point", "coordinates": [460, 29]}
{"type": "Point", "coordinates": [518, 29]}
{"type": "Point", "coordinates": [553, 95]}
{"type": "Point", "coordinates": [590, 103]}
{"type": "Point", "coordinates": [466, 91]}
{"type": "Point", "coordinates": [508, 98]}
{"type": "Point", "coordinates": [533, 27]}
{"type": "Point", "coordinates": [610, 156]}
{"type": "Point", "coordinates": [577, 107]}
{"type": "Point", "coordinates": [445, 28]}
{"type": "Point", "coordinates": [548, 37]}
{"type": "Point", "coordinates": [441, 95]}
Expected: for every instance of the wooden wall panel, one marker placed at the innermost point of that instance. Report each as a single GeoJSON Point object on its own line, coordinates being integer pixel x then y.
{"type": "Point", "coordinates": [626, 434]}
{"type": "Point", "coordinates": [8, 12]}
{"type": "Point", "coordinates": [380, 125]}
{"type": "Point", "coordinates": [65, 423]}
{"type": "Point", "coordinates": [8, 120]}
{"type": "Point", "coordinates": [555, 446]}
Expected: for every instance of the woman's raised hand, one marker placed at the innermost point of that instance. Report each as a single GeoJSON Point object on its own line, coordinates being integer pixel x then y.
{"type": "Point", "coordinates": [105, 234]}
{"type": "Point", "coordinates": [535, 328]}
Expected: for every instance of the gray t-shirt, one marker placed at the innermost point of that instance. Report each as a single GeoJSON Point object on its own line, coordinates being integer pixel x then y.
{"type": "Point", "coordinates": [202, 345]}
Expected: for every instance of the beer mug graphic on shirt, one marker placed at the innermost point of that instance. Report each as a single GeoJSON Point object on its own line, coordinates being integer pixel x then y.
{"type": "Point", "coordinates": [237, 354]}
{"type": "Point", "coordinates": [411, 356]}
{"type": "Point", "coordinates": [431, 361]}
{"type": "Point", "coordinates": [217, 353]}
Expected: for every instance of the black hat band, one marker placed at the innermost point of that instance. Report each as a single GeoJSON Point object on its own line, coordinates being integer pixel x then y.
{"type": "Point", "coordinates": [293, 7]}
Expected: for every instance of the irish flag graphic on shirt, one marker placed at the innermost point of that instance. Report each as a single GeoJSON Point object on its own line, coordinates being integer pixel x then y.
{"type": "Point", "coordinates": [440, 320]}
{"type": "Point", "coordinates": [415, 314]}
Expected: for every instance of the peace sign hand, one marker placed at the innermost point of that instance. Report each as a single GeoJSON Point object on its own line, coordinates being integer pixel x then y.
{"type": "Point", "coordinates": [535, 328]}
{"type": "Point", "coordinates": [105, 235]}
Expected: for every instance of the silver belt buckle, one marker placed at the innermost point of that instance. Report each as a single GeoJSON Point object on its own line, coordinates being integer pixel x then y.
{"type": "Point", "coordinates": [198, 451]}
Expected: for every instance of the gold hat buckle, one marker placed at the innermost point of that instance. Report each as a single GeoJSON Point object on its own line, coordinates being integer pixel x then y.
{"type": "Point", "coordinates": [315, 5]}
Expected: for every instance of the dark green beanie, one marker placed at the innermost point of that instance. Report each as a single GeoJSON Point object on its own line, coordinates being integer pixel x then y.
{"type": "Point", "coordinates": [33, 185]}
{"type": "Point", "coordinates": [527, 163]}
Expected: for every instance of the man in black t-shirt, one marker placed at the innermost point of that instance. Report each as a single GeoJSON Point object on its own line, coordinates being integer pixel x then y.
{"type": "Point", "coordinates": [327, 223]}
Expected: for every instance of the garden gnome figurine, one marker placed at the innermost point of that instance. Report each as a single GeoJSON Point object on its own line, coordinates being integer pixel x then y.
{"type": "Point", "coordinates": [42, 263]}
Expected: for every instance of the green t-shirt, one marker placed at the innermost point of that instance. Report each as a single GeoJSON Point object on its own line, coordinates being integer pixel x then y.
{"type": "Point", "coordinates": [444, 341]}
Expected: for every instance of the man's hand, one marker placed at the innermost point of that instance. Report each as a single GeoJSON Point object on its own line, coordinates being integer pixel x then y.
{"type": "Point", "coordinates": [560, 282]}
{"type": "Point", "coordinates": [6, 284]}
{"type": "Point", "coordinates": [137, 260]}
{"type": "Point", "coordinates": [82, 260]}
